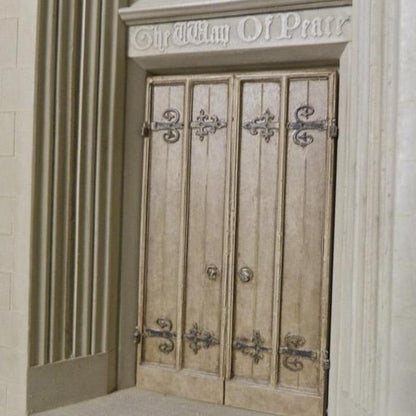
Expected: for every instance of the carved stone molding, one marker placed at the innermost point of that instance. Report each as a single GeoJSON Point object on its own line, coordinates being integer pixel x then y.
{"type": "Point", "coordinates": [152, 12]}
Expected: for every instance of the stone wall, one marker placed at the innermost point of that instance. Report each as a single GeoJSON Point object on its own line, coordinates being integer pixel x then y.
{"type": "Point", "coordinates": [17, 62]}
{"type": "Point", "coordinates": [403, 319]}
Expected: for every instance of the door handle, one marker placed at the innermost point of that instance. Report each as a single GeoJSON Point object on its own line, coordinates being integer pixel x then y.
{"type": "Point", "coordinates": [245, 274]}
{"type": "Point", "coordinates": [212, 272]}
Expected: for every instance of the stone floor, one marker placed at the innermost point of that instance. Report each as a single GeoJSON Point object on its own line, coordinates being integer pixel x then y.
{"type": "Point", "coordinates": [133, 402]}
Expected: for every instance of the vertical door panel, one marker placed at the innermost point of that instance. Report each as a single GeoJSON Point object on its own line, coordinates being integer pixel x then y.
{"type": "Point", "coordinates": [256, 228]}
{"type": "Point", "coordinates": [305, 223]}
{"type": "Point", "coordinates": [206, 225]}
{"type": "Point", "coordinates": [163, 233]}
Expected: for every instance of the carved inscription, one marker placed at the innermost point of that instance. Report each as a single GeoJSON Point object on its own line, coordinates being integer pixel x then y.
{"type": "Point", "coordinates": [262, 29]}
{"type": "Point", "coordinates": [195, 33]}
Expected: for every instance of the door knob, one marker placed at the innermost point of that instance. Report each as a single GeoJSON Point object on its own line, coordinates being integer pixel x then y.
{"type": "Point", "coordinates": [245, 274]}
{"type": "Point", "coordinates": [212, 272]}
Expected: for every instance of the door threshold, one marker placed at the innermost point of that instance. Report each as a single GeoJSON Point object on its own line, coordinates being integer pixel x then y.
{"type": "Point", "coordinates": [137, 402]}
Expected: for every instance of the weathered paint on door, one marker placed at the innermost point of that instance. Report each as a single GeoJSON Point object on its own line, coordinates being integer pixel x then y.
{"type": "Point", "coordinates": [236, 239]}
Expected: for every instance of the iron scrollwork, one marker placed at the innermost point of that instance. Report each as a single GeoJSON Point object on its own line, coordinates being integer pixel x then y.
{"type": "Point", "coordinates": [253, 347]}
{"type": "Point", "coordinates": [198, 338]}
{"type": "Point", "coordinates": [172, 125]}
{"type": "Point", "coordinates": [302, 125]}
{"type": "Point", "coordinates": [263, 124]}
{"type": "Point", "coordinates": [165, 332]}
{"type": "Point", "coordinates": [206, 124]}
{"type": "Point", "coordinates": [293, 353]}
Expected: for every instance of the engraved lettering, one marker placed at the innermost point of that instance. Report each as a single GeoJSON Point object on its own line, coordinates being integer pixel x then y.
{"type": "Point", "coordinates": [268, 22]}
{"type": "Point", "coordinates": [144, 38]}
{"type": "Point", "coordinates": [200, 33]}
{"type": "Point", "coordinates": [305, 26]}
{"type": "Point", "coordinates": [341, 20]}
{"type": "Point", "coordinates": [243, 32]}
{"type": "Point", "coordinates": [220, 35]}
{"type": "Point", "coordinates": [271, 28]}
{"type": "Point", "coordinates": [316, 30]}
{"type": "Point", "coordinates": [290, 22]}
{"type": "Point", "coordinates": [179, 34]}
{"type": "Point", "coordinates": [328, 25]}
{"type": "Point", "coordinates": [160, 39]}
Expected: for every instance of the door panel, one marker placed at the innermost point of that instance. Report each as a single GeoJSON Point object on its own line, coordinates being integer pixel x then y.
{"type": "Point", "coordinates": [305, 223]}
{"type": "Point", "coordinates": [256, 228]}
{"type": "Point", "coordinates": [184, 235]}
{"type": "Point", "coordinates": [164, 222]}
{"type": "Point", "coordinates": [283, 224]}
{"type": "Point", "coordinates": [236, 239]}
{"type": "Point", "coordinates": [204, 302]}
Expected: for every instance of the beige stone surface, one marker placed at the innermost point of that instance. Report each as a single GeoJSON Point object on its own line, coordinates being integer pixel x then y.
{"type": "Point", "coordinates": [403, 320]}
{"type": "Point", "coordinates": [17, 51]}
{"type": "Point", "coordinates": [133, 402]}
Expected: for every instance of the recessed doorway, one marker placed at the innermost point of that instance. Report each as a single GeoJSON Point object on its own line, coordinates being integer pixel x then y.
{"type": "Point", "coordinates": [236, 239]}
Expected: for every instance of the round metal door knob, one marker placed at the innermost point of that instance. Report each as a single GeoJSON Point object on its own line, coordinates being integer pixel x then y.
{"type": "Point", "coordinates": [212, 272]}
{"type": "Point", "coordinates": [245, 274]}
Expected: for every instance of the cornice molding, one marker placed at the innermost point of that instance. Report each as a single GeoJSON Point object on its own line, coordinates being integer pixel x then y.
{"type": "Point", "coordinates": [157, 13]}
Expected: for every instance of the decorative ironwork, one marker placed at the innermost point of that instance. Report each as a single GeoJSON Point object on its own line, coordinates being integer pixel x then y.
{"type": "Point", "coordinates": [212, 272]}
{"type": "Point", "coordinates": [293, 353]}
{"type": "Point", "coordinates": [137, 335]}
{"type": "Point", "coordinates": [171, 125]}
{"type": "Point", "coordinates": [245, 274]}
{"type": "Point", "coordinates": [302, 125]}
{"type": "Point", "coordinates": [166, 332]}
{"type": "Point", "coordinates": [198, 338]}
{"type": "Point", "coordinates": [253, 347]}
{"type": "Point", "coordinates": [263, 125]}
{"type": "Point", "coordinates": [206, 124]}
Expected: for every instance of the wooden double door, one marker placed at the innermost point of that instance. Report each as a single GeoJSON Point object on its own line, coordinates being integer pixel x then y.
{"type": "Point", "coordinates": [236, 239]}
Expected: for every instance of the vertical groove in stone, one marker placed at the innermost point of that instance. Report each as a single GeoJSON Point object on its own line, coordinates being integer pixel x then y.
{"type": "Point", "coordinates": [114, 116]}
{"type": "Point", "coordinates": [115, 123]}
{"type": "Point", "coordinates": [63, 189]}
{"type": "Point", "coordinates": [102, 167]}
{"type": "Point", "coordinates": [42, 203]}
{"type": "Point", "coordinates": [72, 85]}
{"type": "Point", "coordinates": [76, 219]}
{"type": "Point", "coordinates": [85, 198]}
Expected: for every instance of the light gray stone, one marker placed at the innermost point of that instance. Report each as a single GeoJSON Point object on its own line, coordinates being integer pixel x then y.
{"type": "Point", "coordinates": [134, 402]}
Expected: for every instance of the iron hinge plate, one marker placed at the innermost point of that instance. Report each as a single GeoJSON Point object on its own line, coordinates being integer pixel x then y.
{"type": "Point", "coordinates": [326, 362]}
{"type": "Point", "coordinates": [145, 131]}
{"type": "Point", "coordinates": [333, 130]}
{"type": "Point", "coordinates": [137, 336]}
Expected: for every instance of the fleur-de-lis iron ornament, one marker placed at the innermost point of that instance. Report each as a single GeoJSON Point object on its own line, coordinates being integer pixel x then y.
{"type": "Point", "coordinates": [253, 347]}
{"type": "Point", "coordinates": [292, 352]}
{"type": "Point", "coordinates": [206, 124]}
{"type": "Point", "coordinates": [165, 332]}
{"type": "Point", "coordinates": [302, 125]}
{"type": "Point", "coordinates": [263, 125]}
{"type": "Point", "coordinates": [172, 125]}
{"type": "Point", "coordinates": [198, 338]}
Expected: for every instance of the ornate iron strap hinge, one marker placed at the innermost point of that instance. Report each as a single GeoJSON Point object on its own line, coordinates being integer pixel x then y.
{"type": "Point", "coordinates": [198, 338]}
{"type": "Point", "coordinates": [165, 332]}
{"type": "Point", "coordinates": [302, 126]}
{"type": "Point", "coordinates": [263, 125]}
{"type": "Point", "coordinates": [206, 124]}
{"type": "Point", "coordinates": [293, 353]}
{"type": "Point", "coordinates": [253, 347]}
{"type": "Point", "coordinates": [170, 125]}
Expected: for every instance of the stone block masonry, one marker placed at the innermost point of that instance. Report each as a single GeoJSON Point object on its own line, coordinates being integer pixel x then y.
{"type": "Point", "coordinates": [17, 70]}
